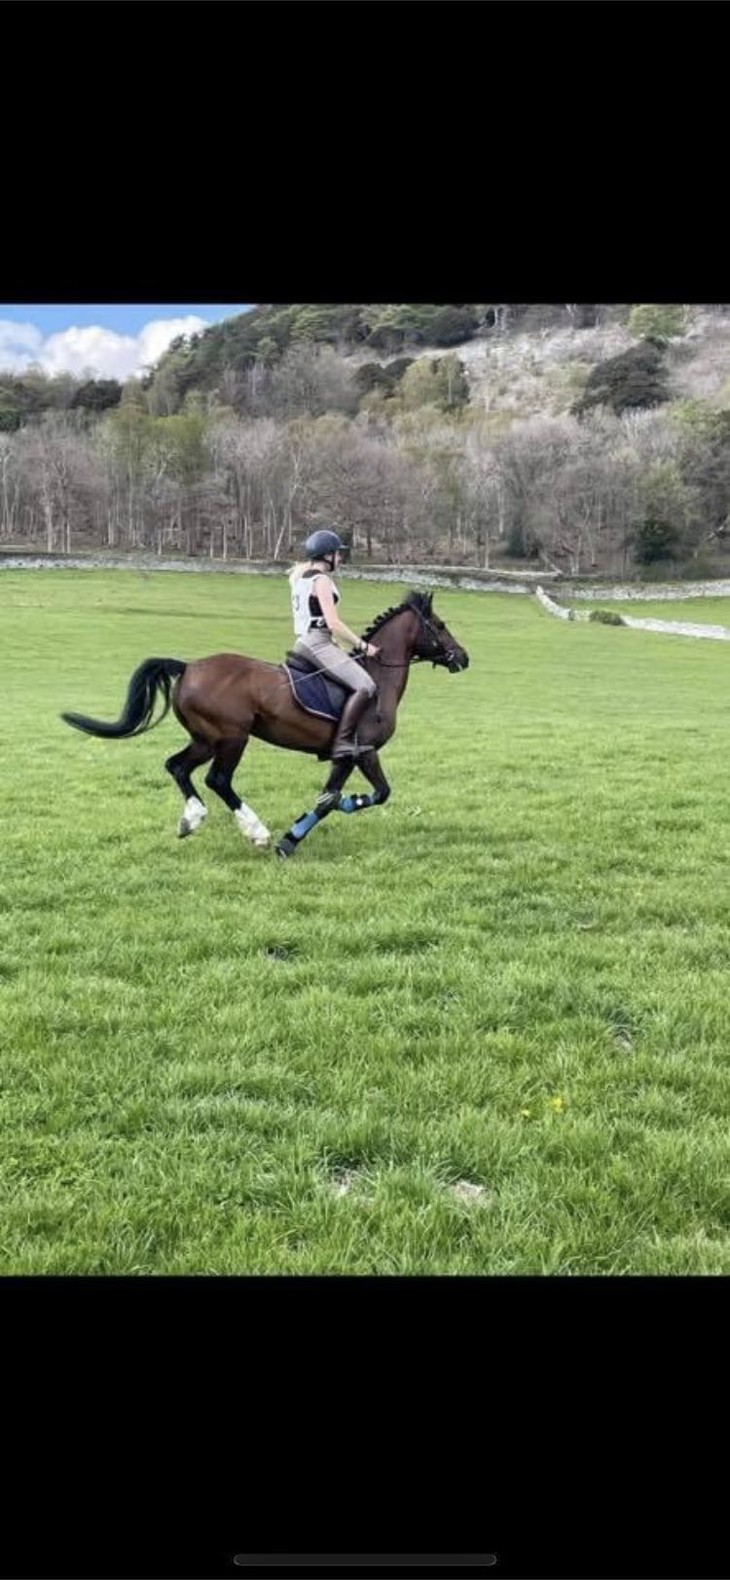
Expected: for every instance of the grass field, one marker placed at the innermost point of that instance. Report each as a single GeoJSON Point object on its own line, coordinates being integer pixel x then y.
{"type": "Point", "coordinates": [484, 1029]}
{"type": "Point", "coordinates": [698, 611]}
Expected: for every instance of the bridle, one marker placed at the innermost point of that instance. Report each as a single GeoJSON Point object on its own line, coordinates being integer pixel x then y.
{"type": "Point", "coordinates": [447, 654]}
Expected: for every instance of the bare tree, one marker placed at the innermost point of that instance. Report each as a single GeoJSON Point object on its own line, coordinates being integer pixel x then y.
{"type": "Point", "coordinates": [310, 381]}
{"type": "Point", "coordinates": [9, 486]}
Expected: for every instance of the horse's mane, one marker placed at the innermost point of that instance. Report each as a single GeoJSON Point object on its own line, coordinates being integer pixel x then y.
{"type": "Point", "coordinates": [420, 601]}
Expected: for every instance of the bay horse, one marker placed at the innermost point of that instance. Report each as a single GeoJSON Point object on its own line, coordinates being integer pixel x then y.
{"type": "Point", "coordinates": [222, 701]}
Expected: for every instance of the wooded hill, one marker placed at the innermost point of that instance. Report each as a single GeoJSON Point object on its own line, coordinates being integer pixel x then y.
{"type": "Point", "coordinates": [587, 438]}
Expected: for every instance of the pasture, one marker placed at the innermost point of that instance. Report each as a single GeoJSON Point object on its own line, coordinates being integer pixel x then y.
{"type": "Point", "coordinates": [484, 1029]}
{"type": "Point", "coordinates": [698, 611]}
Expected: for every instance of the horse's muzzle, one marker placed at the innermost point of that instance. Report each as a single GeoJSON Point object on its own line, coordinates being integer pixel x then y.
{"type": "Point", "coordinates": [457, 659]}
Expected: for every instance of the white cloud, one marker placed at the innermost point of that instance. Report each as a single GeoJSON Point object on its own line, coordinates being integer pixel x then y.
{"type": "Point", "coordinates": [99, 352]}
{"type": "Point", "coordinates": [156, 336]}
{"type": "Point", "coordinates": [19, 343]}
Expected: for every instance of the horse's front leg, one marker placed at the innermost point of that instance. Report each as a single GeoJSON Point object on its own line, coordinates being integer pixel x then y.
{"type": "Point", "coordinates": [325, 803]}
{"type": "Point", "coordinates": [369, 765]}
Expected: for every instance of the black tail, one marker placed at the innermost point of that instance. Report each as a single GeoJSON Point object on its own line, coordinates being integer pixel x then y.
{"type": "Point", "coordinates": [152, 676]}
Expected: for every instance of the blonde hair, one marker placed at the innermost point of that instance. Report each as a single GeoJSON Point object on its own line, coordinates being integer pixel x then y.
{"type": "Point", "coordinates": [298, 570]}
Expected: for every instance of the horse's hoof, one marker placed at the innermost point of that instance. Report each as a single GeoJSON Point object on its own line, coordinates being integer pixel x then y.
{"type": "Point", "coordinates": [189, 826]}
{"type": "Point", "coordinates": [192, 819]}
{"type": "Point", "coordinates": [286, 847]}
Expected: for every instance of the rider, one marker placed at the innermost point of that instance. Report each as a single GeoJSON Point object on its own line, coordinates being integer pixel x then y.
{"type": "Point", "coordinates": [316, 622]}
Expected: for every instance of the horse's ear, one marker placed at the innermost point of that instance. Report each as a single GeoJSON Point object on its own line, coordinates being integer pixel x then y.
{"type": "Point", "coordinates": [429, 600]}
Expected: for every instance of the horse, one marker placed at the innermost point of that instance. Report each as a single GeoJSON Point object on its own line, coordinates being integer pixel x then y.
{"type": "Point", "coordinates": [223, 700]}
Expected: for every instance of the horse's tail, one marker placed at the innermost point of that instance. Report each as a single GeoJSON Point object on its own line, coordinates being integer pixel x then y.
{"type": "Point", "coordinates": [156, 674]}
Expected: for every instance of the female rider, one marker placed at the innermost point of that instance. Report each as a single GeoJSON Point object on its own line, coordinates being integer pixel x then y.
{"type": "Point", "coordinates": [316, 624]}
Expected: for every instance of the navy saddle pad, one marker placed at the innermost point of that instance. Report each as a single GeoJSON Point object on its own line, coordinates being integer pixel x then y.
{"type": "Point", "coordinates": [315, 692]}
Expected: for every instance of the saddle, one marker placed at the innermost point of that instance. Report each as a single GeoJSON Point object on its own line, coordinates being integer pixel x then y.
{"type": "Point", "coordinates": [316, 692]}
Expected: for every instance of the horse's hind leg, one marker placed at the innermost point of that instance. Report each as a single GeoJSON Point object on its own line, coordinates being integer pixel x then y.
{"type": "Point", "coordinates": [181, 766]}
{"type": "Point", "coordinates": [225, 762]}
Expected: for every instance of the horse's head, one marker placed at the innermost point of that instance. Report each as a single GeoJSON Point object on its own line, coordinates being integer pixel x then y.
{"type": "Point", "coordinates": [434, 641]}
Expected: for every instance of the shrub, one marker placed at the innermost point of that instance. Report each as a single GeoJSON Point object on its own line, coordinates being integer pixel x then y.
{"type": "Point", "coordinates": [606, 617]}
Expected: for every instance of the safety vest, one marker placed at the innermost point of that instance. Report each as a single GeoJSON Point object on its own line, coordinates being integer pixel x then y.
{"type": "Point", "coordinates": [305, 607]}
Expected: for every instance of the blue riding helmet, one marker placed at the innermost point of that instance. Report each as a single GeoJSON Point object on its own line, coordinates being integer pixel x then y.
{"type": "Point", "coordinates": [323, 543]}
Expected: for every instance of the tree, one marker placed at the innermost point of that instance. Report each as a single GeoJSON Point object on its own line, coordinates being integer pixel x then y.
{"type": "Point", "coordinates": [451, 326]}
{"type": "Point", "coordinates": [11, 416]}
{"type": "Point", "coordinates": [8, 488]}
{"type": "Point", "coordinates": [60, 482]}
{"type": "Point", "coordinates": [309, 381]}
{"type": "Point", "coordinates": [97, 395]}
{"type": "Point", "coordinates": [583, 315]}
{"type": "Point", "coordinates": [437, 381]}
{"type": "Point", "coordinates": [362, 482]}
{"type": "Point", "coordinates": [653, 541]}
{"type": "Point", "coordinates": [635, 378]}
{"type": "Point", "coordinates": [123, 440]}
{"type": "Point", "coordinates": [658, 321]}
{"type": "Point", "coordinates": [704, 461]}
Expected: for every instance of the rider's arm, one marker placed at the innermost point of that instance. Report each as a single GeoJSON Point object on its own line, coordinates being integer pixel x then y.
{"type": "Point", "coordinates": [322, 589]}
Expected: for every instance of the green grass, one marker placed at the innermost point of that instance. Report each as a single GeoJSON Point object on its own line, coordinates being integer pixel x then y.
{"type": "Point", "coordinates": [514, 975]}
{"type": "Point", "coordinates": [699, 611]}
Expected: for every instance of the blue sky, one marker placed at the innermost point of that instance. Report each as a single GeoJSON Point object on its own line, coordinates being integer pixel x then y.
{"type": "Point", "coordinates": [107, 340]}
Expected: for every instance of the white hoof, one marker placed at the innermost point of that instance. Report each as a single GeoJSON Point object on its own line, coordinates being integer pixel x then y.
{"type": "Point", "coordinates": [195, 814]}
{"type": "Point", "coordinates": [252, 827]}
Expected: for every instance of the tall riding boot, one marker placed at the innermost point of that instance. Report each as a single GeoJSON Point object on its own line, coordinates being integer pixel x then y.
{"type": "Point", "coordinates": [345, 743]}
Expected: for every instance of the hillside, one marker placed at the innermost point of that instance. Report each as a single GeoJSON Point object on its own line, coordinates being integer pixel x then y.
{"type": "Point", "coordinates": [581, 440]}
{"type": "Point", "coordinates": [518, 359]}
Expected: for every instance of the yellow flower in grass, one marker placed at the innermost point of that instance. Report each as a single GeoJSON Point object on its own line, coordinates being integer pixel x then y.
{"type": "Point", "coordinates": [557, 1104]}
{"type": "Point", "coordinates": [526, 1113]}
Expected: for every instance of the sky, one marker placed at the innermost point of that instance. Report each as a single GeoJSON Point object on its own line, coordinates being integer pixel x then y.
{"type": "Point", "coordinates": [102, 340]}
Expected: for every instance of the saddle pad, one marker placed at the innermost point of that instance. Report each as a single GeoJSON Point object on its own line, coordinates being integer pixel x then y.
{"type": "Point", "coordinates": [316, 693]}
